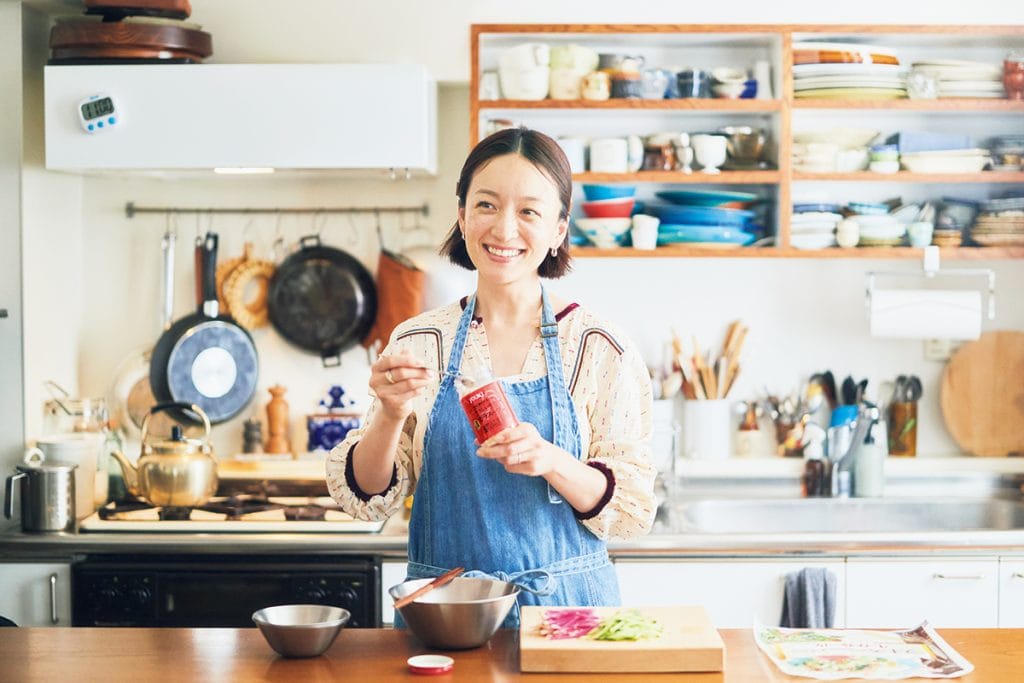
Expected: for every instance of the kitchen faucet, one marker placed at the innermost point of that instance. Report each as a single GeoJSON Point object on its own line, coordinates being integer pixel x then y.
{"type": "Point", "coordinates": [844, 483]}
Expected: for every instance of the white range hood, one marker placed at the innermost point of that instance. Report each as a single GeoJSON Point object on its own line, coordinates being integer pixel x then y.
{"type": "Point", "coordinates": [241, 116]}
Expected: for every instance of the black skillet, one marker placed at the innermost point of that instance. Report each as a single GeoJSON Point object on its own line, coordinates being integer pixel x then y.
{"type": "Point", "coordinates": [204, 358]}
{"type": "Point", "coordinates": [322, 300]}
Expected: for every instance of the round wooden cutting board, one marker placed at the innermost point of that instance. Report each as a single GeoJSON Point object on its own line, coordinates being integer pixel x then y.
{"type": "Point", "coordinates": [983, 395]}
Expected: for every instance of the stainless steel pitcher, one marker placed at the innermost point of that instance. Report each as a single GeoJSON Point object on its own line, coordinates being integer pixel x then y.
{"type": "Point", "coordinates": [47, 497]}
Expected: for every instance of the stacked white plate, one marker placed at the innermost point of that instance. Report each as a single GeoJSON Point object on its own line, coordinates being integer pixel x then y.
{"type": "Point", "coordinates": [813, 229]}
{"type": "Point", "coordinates": [946, 161]}
{"type": "Point", "coordinates": [959, 78]}
{"type": "Point", "coordinates": [846, 71]}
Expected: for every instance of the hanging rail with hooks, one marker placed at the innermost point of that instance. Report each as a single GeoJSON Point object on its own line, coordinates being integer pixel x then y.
{"type": "Point", "coordinates": [130, 209]}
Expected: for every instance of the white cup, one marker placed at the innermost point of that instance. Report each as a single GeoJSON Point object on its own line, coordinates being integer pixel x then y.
{"type": "Point", "coordinates": [707, 429]}
{"type": "Point", "coordinates": [920, 233]}
{"type": "Point", "coordinates": [609, 155]}
{"type": "Point", "coordinates": [566, 84]}
{"type": "Point", "coordinates": [576, 152]}
{"type": "Point", "coordinates": [82, 449]}
{"type": "Point", "coordinates": [490, 86]}
{"type": "Point", "coordinates": [710, 151]}
{"type": "Point", "coordinates": [645, 231]}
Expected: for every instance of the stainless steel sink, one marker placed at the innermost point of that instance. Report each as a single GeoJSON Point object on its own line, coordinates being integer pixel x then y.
{"type": "Point", "coordinates": [831, 515]}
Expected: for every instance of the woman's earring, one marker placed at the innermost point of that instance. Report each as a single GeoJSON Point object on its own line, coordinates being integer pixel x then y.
{"type": "Point", "coordinates": [554, 252]}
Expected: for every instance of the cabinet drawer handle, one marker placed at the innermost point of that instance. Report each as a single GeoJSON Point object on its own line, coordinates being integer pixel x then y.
{"type": "Point", "coordinates": [971, 577]}
{"type": "Point", "coordinates": [53, 599]}
{"type": "Point", "coordinates": [1017, 575]}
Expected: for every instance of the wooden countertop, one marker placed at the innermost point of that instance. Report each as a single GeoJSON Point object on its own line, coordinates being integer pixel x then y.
{"type": "Point", "coordinates": [108, 655]}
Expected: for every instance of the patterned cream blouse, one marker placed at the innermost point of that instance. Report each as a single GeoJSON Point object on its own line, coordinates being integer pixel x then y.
{"type": "Point", "coordinates": [610, 389]}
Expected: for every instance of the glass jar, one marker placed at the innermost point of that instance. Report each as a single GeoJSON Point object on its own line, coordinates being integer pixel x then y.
{"type": "Point", "coordinates": [66, 415]}
{"type": "Point", "coordinates": [1013, 74]}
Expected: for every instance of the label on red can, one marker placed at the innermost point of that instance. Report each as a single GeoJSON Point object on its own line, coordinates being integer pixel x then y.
{"type": "Point", "coordinates": [488, 410]}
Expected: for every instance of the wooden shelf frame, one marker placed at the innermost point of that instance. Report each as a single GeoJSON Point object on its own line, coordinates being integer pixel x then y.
{"type": "Point", "coordinates": [781, 108]}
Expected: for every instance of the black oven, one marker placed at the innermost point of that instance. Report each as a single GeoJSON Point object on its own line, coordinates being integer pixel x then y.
{"type": "Point", "coordinates": [217, 590]}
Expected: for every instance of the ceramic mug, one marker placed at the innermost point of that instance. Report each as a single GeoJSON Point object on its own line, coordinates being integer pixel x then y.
{"type": "Point", "coordinates": [920, 233]}
{"type": "Point", "coordinates": [524, 84]}
{"type": "Point", "coordinates": [576, 152]}
{"type": "Point", "coordinates": [490, 86]}
{"type": "Point", "coordinates": [645, 231]}
{"type": "Point", "coordinates": [596, 85]}
{"type": "Point", "coordinates": [609, 155]}
{"type": "Point", "coordinates": [566, 84]}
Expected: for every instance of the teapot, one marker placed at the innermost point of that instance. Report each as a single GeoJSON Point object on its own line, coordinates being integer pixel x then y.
{"type": "Point", "coordinates": [176, 472]}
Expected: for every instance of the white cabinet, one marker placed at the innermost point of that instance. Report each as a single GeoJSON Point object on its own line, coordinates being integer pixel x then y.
{"type": "Point", "coordinates": [899, 593]}
{"type": "Point", "coordinates": [1011, 593]}
{"type": "Point", "coordinates": [36, 594]}
{"type": "Point", "coordinates": [391, 573]}
{"type": "Point", "coordinates": [205, 116]}
{"type": "Point", "coordinates": [735, 592]}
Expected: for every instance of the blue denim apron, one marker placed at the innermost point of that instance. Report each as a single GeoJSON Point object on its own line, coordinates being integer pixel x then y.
{"type": "Point", "coordinates": [469, 512]}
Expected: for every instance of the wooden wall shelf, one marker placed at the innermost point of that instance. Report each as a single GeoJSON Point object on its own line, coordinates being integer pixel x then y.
{"type": "Point", "coordinates": [684, 251]}
{"type": "Point", "coordinates": [776, 43]}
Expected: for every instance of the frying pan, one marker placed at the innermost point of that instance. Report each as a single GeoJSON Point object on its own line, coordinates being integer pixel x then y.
{"type": "Point", "coordinates": [204, 358]}
{"type": "Point", "coordinates": [322, 300]}
{"type": "Point", "coordinates": [131, 396]}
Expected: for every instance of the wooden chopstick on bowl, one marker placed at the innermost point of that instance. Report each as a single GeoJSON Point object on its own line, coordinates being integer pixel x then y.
{"type": "Point", "coordinates": [436, 583]}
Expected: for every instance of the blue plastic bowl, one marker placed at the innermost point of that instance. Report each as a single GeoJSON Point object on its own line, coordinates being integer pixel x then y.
{"type": "Point", "coordinates": [595, 193]}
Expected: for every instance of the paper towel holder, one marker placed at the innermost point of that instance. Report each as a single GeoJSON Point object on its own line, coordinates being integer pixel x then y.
{"type": "Point", "coordinates": [929, 270]}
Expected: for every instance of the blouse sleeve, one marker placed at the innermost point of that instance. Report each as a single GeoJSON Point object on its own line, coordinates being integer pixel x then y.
{"type": "Point", "coordinates": [341, 483]}
{"type": "Point", "coordinates": [619, 415]}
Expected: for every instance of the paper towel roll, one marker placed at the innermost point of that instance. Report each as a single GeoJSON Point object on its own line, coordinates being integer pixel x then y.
{"type": "Point", "coordinates": [926, 313]}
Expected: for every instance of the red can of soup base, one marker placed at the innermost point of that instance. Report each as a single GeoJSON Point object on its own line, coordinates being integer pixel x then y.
{"type": "Point", "coordinates": [488, 410]}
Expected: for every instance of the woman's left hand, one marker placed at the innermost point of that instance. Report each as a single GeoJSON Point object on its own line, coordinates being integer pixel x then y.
{"type": "Point", "coordinates": [522, 450]}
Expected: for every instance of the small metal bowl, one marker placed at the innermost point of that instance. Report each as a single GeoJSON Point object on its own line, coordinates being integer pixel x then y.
{"type": "Point", "coordinates": [301, 630]}
{"type": "Point", "coordinates": [457, 616]}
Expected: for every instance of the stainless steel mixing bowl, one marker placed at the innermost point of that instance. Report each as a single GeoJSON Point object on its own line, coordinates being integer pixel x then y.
{"type": "Point", "coordinates": [301, 630]}
{"type": "Point", "coordinates": [460, 615]}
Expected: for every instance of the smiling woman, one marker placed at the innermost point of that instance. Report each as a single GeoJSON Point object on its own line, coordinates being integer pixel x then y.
{"type": "Point", "coordinates": [533, 504]}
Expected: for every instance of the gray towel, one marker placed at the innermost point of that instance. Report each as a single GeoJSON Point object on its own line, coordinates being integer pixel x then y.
{"type": "Point", "coordinates": [809, 600]}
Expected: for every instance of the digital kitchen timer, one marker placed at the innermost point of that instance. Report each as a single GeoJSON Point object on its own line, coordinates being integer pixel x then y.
{"type": "Point", "coordinates": [98, 112]}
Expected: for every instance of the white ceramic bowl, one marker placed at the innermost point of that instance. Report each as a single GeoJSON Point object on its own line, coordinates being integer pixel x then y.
{"type": "Point", "coordinates": [844, 137]}
{"type": "Point", "coordinates": [606, 233]}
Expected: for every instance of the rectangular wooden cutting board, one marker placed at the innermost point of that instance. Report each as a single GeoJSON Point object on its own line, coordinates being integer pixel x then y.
{"type": "Point", "coordinates": [688, 642]}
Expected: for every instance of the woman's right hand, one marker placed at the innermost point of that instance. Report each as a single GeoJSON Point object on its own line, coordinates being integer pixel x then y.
{"type": "Point", "coordinates": [397, 380]}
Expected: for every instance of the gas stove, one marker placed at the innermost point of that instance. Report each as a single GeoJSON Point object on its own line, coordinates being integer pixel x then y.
{"type": "Point", "coordinates": [234, 514]}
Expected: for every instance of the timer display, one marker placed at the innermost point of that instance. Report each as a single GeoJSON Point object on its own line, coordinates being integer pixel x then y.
{"type": "Point", "coordinates": [94, 109]}
{"type": "Point", "coordinates": [98, 112]}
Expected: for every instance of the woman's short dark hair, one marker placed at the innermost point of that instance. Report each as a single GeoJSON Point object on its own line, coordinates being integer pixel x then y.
{"type": "Point", "coordinates": [541, 151]}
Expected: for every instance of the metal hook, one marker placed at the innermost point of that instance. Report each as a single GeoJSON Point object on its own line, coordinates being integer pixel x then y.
{"type": "Point", "coordinates": [380, 233]}
{"type": "Point", "coordinates": [319, 220]}
{"type": "Point", "coordinates": [245, 229]}
{"type": "Point", "coordinates": [277, 248]}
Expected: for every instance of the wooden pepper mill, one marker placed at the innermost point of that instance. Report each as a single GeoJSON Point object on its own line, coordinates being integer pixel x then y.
{"type": "Point", "coordinates": [277, 422]}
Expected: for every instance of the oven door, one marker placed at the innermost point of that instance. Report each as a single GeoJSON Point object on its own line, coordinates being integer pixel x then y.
{"type": "Point", "coordinates": [217, 591]}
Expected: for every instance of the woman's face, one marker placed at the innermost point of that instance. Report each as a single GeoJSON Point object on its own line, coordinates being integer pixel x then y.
{"type": "Point", "coordinates": [511, 219]}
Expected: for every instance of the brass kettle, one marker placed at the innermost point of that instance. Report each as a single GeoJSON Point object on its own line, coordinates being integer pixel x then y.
{"type": "Point", "coordinates": [176, 472]}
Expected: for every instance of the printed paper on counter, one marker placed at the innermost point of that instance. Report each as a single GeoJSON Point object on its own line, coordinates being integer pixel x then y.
{"type": "Point", "coordinates": [832, 654]}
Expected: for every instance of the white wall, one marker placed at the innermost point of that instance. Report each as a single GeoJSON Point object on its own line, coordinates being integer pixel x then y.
{"type": "Point", "coordinates": [52, 237]}
{"type": "Point", "coordinates": [92, 275]}
{"type": "Point", "coordinates": [437, 33]}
